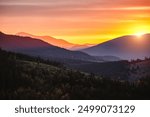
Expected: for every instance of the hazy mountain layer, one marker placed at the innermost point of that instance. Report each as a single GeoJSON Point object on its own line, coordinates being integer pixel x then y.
{"type": "Point", "coordinates": [126, 47]}
{"type": "Point", "coordinates": [36, 47]}
{"type": "Point", "coordinates": [57, 42]}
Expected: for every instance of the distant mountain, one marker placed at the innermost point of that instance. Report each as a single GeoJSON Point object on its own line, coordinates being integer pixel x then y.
{"type": "Point", "coordinates": [108, 58]}
{"type": "Point", "coordinates": [126, 47]}
{"type": "Point", "coordinates": [56, 42]}
{"type": "Point", "coordinates": [51, 40]}
{"type": "Point", "coordinates": [36, 47]}
{"type": "Point", "coordinates": [84, 46]}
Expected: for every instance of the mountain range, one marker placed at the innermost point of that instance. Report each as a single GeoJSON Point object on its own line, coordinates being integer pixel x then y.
{"type": "Point", "coordinates": [57, 42]}
{"type": "Point", "coordinates": [125, 47]}
{"type": "Point", "coordinates": [103, 60]}
{"type": "Point", "coordinates": [37, 47]}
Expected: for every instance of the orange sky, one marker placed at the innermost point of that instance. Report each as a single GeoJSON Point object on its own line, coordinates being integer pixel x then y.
{"type": "Point", "coordinates": [77, 21]}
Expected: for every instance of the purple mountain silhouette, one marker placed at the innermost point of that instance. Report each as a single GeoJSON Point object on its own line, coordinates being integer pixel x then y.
{"type": "Point", "coordinates": [126, 47]}
{"type": "Point", "coordinates": [36, 47]}
{"type": "Point", "coordinates": [56, 42]}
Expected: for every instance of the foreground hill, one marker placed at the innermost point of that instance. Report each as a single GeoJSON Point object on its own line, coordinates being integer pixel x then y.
{"type": "Point", "coordinates": [36, 47]}
{"type": "Point", "coordinates": [24, 77]}
{"type": "Point", "coordinates": [126, 47]}
{"type": "Point", "coordinates": [121, 70]}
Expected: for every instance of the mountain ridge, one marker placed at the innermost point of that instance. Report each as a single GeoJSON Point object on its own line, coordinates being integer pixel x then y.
{"type": "Point", "coordinates": [36, 47]}
{"type": "Point", "coordinates": [56, 42]}
{"type": "Point", "coordinates": [125, 47]}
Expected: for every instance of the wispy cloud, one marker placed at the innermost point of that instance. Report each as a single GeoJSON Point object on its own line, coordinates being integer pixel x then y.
{"type": "Point", "coordinates": [73, 17]}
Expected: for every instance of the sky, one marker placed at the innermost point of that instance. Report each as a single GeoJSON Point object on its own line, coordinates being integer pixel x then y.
{"type": "Point", "coordinates": [77, 21]}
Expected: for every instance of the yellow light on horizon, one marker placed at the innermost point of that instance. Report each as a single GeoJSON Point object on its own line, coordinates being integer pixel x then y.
{"type": "Point", "coordinates": [139, 34]}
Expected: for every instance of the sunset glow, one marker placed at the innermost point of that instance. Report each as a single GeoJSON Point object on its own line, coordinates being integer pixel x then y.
{"type": "Point", "coordinates": [139, 34]}
{"type": "Point", "coordinates": [77, 21]}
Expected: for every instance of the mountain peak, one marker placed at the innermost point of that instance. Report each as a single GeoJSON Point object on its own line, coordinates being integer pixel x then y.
{"type": "Point", "coordinates": [125, 47]}
{"type": "Point", "coordinates": [56, 42]}
{"type": "Point", "coordinates": [24, 34]}
{"type": "Point", "coordinates": [1, 33]}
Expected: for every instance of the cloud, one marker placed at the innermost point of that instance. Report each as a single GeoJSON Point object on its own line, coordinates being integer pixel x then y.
{"type": "Point", "coordinates": [73, 17]}
{"type": "Point", "coordinates": [67, 7]}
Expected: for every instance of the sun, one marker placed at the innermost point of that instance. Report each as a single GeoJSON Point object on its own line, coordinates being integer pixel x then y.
{"type": "Point", "coordinates": [139, 34]}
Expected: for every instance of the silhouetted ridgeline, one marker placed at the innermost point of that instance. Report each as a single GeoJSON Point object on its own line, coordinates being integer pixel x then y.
{"type": "Point", "coordinates": [125, 47]}
{"type": "Point", "coordinates": [24, 77]}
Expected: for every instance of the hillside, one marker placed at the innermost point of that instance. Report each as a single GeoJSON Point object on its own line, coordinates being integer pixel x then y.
{"type": "Point", "coordinates": [24, 77]}
{"type": "Point", "coordinates": [126, 47]}
{"type": "Point", "coordinates": [139, 69]}
{"type": "Point", "coordinates": [121, 70]}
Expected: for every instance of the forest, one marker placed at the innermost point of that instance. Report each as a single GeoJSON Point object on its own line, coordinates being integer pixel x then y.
{"type": "Point", "coordinates": [25, 77]}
